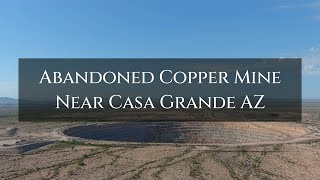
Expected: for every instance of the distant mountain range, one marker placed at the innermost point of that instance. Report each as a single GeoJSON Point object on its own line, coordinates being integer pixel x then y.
{"type": "Point", "coordinates": [6, 101]}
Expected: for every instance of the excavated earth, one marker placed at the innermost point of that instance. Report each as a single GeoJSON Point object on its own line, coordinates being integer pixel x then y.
{"type": "Point", "coordinates": [191, 132]}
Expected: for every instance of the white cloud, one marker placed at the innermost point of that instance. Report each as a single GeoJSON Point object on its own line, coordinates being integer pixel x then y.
{"type": "Point", "coordinates": [317, 18]}
{"type": "Point", "coordinates": [311, 61]}
{"type": "Point", "coordinates": [312, 5]}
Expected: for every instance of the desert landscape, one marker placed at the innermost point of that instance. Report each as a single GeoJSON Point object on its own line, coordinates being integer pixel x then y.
{"type": "Point", "coordinates": [234, 150]}
{"type": "Point", "coordinates": [172, 90]}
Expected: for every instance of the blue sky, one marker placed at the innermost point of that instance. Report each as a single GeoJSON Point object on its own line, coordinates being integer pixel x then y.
{"type": "Point", "coordinates": [166, 28]}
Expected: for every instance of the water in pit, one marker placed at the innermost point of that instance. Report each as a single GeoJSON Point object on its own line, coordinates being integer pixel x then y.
{"type": "Point", "coordinates": [189, 132]}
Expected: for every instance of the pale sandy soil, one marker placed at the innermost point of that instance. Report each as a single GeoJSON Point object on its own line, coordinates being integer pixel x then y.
{"type": "Point", "coordinates": [297, 156]}
{"type": "Point", "coordinates": [65, 160]}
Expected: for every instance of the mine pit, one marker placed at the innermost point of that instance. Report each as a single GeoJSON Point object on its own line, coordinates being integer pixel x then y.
{"type": "Point", "coordinates": [190, 132]}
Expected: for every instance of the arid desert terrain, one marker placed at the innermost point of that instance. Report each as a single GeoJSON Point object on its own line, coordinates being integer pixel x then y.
{"type": "Point", "coordinates": [278, 150]}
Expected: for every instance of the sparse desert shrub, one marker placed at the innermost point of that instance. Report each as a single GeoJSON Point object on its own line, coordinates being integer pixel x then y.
{"type": "Point", "coordinates": [277, 147]}
{"type": "Point", "coordinates": [80, 162]}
